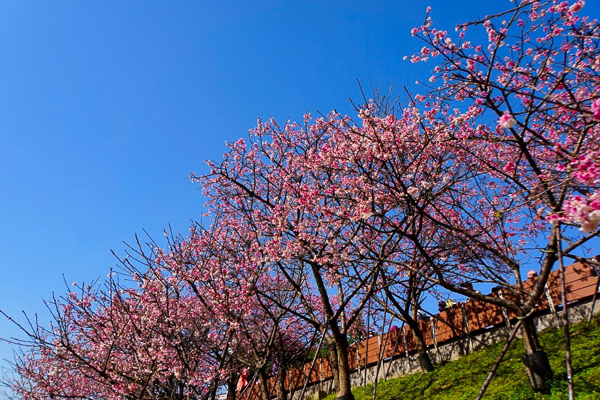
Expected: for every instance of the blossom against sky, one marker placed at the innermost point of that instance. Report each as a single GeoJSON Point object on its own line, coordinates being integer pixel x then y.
{"type": "Point", "coordinates": [106, 108]}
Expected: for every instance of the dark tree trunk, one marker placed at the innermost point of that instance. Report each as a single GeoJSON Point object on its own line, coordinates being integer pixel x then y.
{"type": "Point", "coordinates": [213, 390]}
{"type": "Point", "coordinates": [536, 361]}
{"type": "Point", "coordinates": [264, 385]}
{"type": "Point", "coordinates": [424, 360]}
{"type": "Point", "coordinates": [281, 393]}
{"type": "Point", "coordinates": [231, 387]}
{"type": "Point", "coordinates": [344, 390]}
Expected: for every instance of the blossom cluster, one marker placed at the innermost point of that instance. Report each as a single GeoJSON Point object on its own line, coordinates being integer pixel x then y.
{"type": "Point", "coordinates": [311, 223]}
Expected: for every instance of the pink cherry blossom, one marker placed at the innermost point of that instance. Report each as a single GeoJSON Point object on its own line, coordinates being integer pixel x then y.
{"type": "Point", "coordinates": [577, 6]}
{"type": "Point", "coordinates": [506, 121]}
{"type": "Point", "coordinates": [596, 109]}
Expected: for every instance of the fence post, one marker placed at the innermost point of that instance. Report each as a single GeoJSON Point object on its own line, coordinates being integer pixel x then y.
{"type": "Point", "coordinates": [551, 304]}
{"type": "Point", "coordinates": [433, 335]}
{"type": "Point", "coordinates": [320, 374]}
{"type": "Point", "coordinates": [504, 313]}
{"type": "Point", "coordinates": [357, 359]}
{"type": "Point", "coordinates": [405, 343]}
{"type": "Point", "coordinates": [596, 269]}
{"type": "Point", "coordinates": [466, 321]}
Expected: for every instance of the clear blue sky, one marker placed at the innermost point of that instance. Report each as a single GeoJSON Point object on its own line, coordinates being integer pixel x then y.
{"type": "Point", "coordinates": [106, 107]}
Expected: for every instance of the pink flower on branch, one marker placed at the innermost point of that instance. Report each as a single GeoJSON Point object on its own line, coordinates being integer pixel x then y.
{"type": "Point", "coordinates": [506, 121]}
{"type": "Point", "coordinates": [596, 109]}
{"type": "Point", "coordinates": [413, 191]}
{"type": "Point", "coordinates": [583, 212]}
{"type": "Point", "coordinates": [577, 6]}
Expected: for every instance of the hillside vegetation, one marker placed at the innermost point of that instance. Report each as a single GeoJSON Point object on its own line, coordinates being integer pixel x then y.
{"type": "Point", "coordinates": [462, 379]}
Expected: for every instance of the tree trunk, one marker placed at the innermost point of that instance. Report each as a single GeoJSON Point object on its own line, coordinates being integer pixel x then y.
{"type": "Point", "coordinates": [344, 391]}
{"type": "Point", "coordinates": [536, 361]}
{"type": "Point", "coordinates": [413, 324]}
{"type": "Point", "coordinates": [264, 385]}
{"type": "Point", "coordinates": [213, 390]}
{"type": "Point", "coordinates": [281, 393]}
{"type": "Point", "coordinates": [231, 387]}
{"type": "Point", "coordinates": [424, 360]}
{"type": "Point", "coordinates": [333, 357]}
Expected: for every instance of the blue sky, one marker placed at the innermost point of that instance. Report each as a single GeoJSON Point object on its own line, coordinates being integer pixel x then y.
{"type": "Point", "coordinates": [106, 108]}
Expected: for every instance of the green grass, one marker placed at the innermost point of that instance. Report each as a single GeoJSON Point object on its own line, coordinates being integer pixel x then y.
{"type": "Point", "coordinates": [462, 379]}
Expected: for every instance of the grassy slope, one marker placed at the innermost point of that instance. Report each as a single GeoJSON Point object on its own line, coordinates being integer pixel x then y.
{"type": "Point", "coordinates": [462, 379]}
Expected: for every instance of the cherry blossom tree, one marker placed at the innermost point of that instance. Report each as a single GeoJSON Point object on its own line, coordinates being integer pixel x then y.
{"type": "Point", "coordinates": [215, 264]}
{"type": "Point", "coordinates": [487, 172]}
{"type": "Point", "coordinates": [506, 162]}
{"type": "Point", "coordinates": [118, 343]}
{"type": "Point", "coordinates": [188, 322]}
{"type": "Point", "coordinates": [274, 187]}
